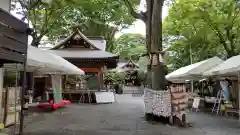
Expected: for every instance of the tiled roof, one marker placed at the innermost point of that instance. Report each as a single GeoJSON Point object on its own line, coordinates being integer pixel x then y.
{"type": "Point", "coordinates": [62, 42]}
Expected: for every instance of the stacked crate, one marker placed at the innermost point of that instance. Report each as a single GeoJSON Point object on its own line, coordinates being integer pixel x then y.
{"type": "Point", "coordinates": [179, 99]}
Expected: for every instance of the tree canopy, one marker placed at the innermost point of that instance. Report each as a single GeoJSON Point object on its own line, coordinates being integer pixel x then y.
{"type": "Point", "coordinates": [205, 28]}
{"type": "Point", "coordinates": [130, 46]}
{"type": "Point", "coordinates": [52, 18]}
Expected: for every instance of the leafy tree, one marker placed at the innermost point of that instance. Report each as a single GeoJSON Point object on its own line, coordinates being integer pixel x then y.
{"type": "Point", "coordinates": [94, 17]}
{"type": "Point", "coordinates": [130, 46]}
{"type": "Point", "coordinates": [210, 28]}
{"type": "Point", "coordinates": [114, 77]}
{"type": "Point", "coordinates": [180, 51]}
{"type": "Point", "coordinates": [88, 23]}
{"type": "Point", "coordinates": [43, 16]}
{"type": "Point", "coordinates": [99, 18]}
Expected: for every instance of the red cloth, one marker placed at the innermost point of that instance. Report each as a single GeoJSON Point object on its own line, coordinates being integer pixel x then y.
{"type": "Point", "coordinates": [67, 102]}
{"type": "Point", "coordinates": [61, 104]}
{"type": "Point", "coordinates": [55, 106]}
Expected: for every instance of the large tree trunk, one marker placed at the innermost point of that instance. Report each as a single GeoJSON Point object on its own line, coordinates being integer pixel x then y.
{"type": "Point", "coordinates": [35, 42]}
{"type": "Point", "coordinates": [148, 24]}
{"type": "Point", "coordinates": [157, 67]}
{"type": "Point", "coordinates": [156, 73]}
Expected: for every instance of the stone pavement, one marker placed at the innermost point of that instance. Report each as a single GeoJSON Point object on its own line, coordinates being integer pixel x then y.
{"type": "Point", "coordinates": [125, 117]}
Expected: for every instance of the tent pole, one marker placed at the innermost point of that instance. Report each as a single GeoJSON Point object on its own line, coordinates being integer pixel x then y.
{"type": "Point", "coordinates": [22, 97]}
{"type": "Point", "coordinates": [238, 95]}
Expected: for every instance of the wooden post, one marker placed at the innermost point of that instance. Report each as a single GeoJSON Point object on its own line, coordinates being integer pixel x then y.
{"type": "Point", "coordinates": [64, 80]}
{"type": "Point", "coordinates": [238, 94]}
{"type": "Point", "coordinates": [1, 91]}
{"type": "Point", "coordinates": [5, 107]}
{"type": "Point", "coordinates": [100, 79]}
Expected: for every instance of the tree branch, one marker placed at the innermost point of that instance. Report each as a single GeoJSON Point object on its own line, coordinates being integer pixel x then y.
{"type": "Point", "coordinates": [23, 4]}
{"type": "Point", "coordinates": [142, 15]}
{"type": "Point", "coordinates": [208, 21]}
{"type": "Point", "coordinates": [45, 24]}
{"type": "Point", "coordinates": [27, 6]}
{"type": "Point", "coordinates": [34, 22]}
{"type": "Point", "coordinates": [229, 28]}
{"type": "Point", "coordinates": [33, 5]}
{"type": "Point", "coordinates": [50, 26]}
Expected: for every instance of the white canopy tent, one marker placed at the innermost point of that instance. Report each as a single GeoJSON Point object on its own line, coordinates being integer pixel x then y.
{"type": "Point", "coordinates": [42, 61]}
{"type": "Point", "coordinates": [229, 67]}
{"type": "Point", "coordinates": [193, 71]}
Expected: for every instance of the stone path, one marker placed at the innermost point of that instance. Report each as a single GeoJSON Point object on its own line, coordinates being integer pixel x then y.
{"type": "Point", "coordinates": [125, 117]}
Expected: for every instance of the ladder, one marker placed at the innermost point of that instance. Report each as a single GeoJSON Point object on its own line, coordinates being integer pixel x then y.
{"type": "Point", "coordinates": [217, 104]}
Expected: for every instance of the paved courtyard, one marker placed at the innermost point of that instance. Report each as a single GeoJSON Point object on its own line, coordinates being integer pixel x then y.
{"type": "Point", "coordinates": [125, 117]}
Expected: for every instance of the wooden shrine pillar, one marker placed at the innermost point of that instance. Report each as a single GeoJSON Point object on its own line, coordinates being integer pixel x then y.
{"type": "Point", "coordinates": [100, 79]}
{"type": "Point", "coordinates": [64, 81]}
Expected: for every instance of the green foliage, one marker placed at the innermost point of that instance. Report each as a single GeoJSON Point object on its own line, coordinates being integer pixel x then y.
{"type": "Point", "coordinates": [142, 77]}
{"type": "Point", "coordinates": [130, 46]}
{"type": "Point", "coordinates": [9, 79]}
{"type": "Point", "coordinates": [115, 77]}
{"type": "Point", "coordinates": [142, 62]}
{"type": "Point", "coordinates": [94, 17]}
{"type": "Point", "coordinates": [207, 28]}
{"type": "Point", "coordinates": [44, 16]}
{"type": "Point", "coordinates": [111, 12]}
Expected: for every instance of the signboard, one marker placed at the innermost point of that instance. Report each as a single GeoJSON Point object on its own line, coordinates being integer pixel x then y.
{"type": "Point", "coordinates": [104, 97]}
{"type": "Point", "coordinates": [196, 103]}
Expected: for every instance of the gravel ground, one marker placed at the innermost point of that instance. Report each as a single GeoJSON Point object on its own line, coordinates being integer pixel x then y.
{"type": "Point", "coordinates": [125, 117]}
